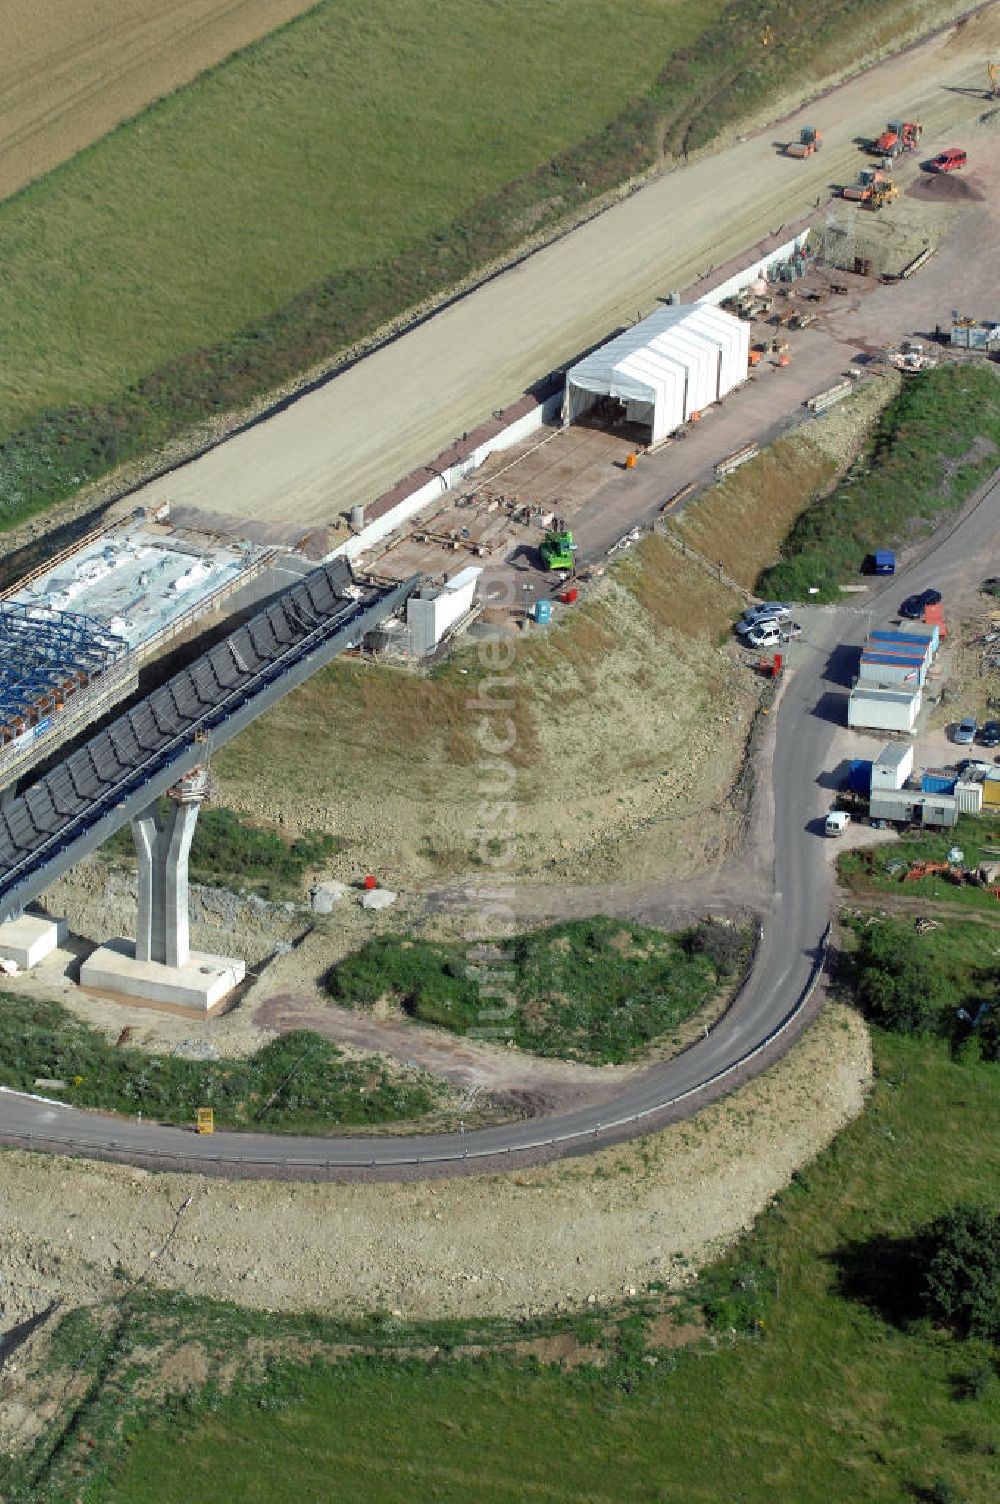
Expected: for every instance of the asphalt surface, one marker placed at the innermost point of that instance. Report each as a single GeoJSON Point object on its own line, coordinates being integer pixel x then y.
{"type": "Point", "coordinates": [794, 908]}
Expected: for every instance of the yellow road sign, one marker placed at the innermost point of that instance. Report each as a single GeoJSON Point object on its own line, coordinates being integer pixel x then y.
{"type": "Point", "coordinates": [206, 1120]}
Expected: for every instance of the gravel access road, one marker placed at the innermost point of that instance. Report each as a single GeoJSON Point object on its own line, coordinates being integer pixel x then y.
{"type": "Point", "coordinates": [355, 436]}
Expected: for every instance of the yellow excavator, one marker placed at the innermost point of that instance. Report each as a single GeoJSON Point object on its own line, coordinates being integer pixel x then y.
{"type": "Point", "coordinates": [993, 69]}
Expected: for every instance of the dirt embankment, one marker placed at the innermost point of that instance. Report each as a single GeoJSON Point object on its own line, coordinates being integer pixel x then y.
{"type": "Point", "coordinates": [71, 70]}
{"type": "Point", "coordinates": [651, 1210]}
{"type": "Point", "coordinates": [744, 520]}
{"type": "Point", "coordinates": [631, 714]}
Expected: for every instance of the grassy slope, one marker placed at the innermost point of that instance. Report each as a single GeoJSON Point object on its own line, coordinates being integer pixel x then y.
{"type": "Point", "coordinates": [934, 444]}
{"type": "Point", "coordinates": [625, 696]}
{"type": "Point", "coordinates": [340, 141]}
{"type": "Point", "coordinates": [829, 1403]}
{"type": "Point", "coordinates": [299, 1082]}
{"type": "Point", "coordinates": [228, 853]}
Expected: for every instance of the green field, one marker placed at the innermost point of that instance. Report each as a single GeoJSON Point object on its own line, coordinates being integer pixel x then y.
{"type": "Point", "coordinates": [334, 176]}
{"type": "Point", "coordinates": [827, 1391]}
{"type": "Point", "coordinates": [599, 990]}
{"type": "Point", "coordinates": [932, 446]}
{"type": "Point", "coordinates": [340, 141]}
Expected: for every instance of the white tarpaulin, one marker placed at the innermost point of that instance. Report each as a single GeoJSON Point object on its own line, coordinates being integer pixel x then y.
{"type": "Point", "coordinates": [677, 361]}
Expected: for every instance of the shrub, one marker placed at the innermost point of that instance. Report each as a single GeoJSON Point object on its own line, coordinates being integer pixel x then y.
{"type": "Point", "coordinates": [962, 1271]}
{"type": "Point", "coordinates": [895, 986]}
{"type": "Point", "coordinates": [598, 989]}
{"type": "Point", "coordinates": [724, 945]}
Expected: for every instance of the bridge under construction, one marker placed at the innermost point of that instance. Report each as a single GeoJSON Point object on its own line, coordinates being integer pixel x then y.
{"type": "Point", "coordinates": [156, 747]}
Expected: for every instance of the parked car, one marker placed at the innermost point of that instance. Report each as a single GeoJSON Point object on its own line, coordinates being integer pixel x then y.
{"type": "Point", "coordinates": [766, 634]}
{"type": "Point", "coordinates": [965, 731]}
{"type": "Point", "coordinates": [792, 629]}
{"type": "Point", "coordinates": [769, 610]}
{"type": "Point", "coordinates": [948, 161]}
{"type": "Point", "coordinates": [837, 822]}
{"type": "Point", "coordinates": [913, 606]}
{"type": "Point", "coordinates": [989, 733]}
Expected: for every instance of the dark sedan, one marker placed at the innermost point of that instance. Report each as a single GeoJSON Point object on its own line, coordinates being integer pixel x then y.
{"type": "Point", "coordinates": [913, 606]}
{"type": "Point", "coordinates": [989, 734]}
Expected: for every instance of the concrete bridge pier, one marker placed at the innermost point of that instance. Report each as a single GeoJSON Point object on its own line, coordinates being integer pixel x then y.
{"type": "Point", "coordinates": [163, 845]}
{"type": "Point", "coordinates": [159, 967]}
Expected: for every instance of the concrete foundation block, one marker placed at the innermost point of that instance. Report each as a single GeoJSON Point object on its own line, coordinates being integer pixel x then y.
{"type": "Point", "coordinates": [31, 938]}
{"type": "Point", "coordinates": [325, 895]}
{"type": "Point", "coordinates": [377, 898]}
{"type": "Point", "coordinates": [197, 987]}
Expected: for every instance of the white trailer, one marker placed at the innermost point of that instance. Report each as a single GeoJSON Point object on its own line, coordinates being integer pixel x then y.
{"type": "Point", "coordinates": [877, 707]}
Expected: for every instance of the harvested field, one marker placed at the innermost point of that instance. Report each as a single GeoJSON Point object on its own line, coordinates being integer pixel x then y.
{"type": "Point", "coordinates": [71, 70]}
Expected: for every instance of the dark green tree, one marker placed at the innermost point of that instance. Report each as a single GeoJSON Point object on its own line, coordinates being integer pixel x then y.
{"type": "Point", "coordinates": [895, 986]}
{"type": "Point", "coordinates": [962, 1271]}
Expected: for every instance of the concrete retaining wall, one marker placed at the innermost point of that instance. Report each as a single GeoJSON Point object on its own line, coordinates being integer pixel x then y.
{"type": "Point", "coordinates": [748, 274]}
{"type": "Point", "coordinates": [442, 479]}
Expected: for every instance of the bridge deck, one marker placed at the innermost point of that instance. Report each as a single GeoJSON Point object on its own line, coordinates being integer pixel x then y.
{"type": "Point", "coordinates": [74, 808]}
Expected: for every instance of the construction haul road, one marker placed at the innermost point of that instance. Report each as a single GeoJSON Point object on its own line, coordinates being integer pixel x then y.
{"type": "Point", "coordinates": [352, 438]}
{"type": "Point", "coordinates": [794, 903]}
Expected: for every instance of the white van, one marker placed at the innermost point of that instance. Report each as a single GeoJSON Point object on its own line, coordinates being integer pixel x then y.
{"type": "Point", "coordinates": [836, 823]}
{"type": "Point", "coordinates": [767, 635]}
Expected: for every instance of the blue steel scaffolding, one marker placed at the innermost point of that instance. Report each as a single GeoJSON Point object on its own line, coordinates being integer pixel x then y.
{"type": "Point", "coordinates": [46, 655]}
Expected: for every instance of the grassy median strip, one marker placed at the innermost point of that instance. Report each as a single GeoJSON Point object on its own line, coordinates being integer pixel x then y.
{"type": "Point", "coordinates": [934, 444]}
{"type": "Point", "coordinates": [332, 177]}
{"type": "Point", "coordinates": [599, 990]}
{"type": "Point", "coordinates": [298, 1083]}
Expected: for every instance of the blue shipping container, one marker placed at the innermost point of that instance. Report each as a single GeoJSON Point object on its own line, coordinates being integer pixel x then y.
{"type": "Point", "coordinates": [885, 561]}
{"type": "Point", "coordinates": [932, 782]}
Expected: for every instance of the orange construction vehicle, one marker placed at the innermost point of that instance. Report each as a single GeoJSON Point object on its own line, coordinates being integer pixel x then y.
{"type": "Point", "coordinates": [881, 194]}
{"type": "Point", "coordinates": [809, 141]}
{"type": "Point", "coordinates": [869, 179]}
{"type": "Point", "coordinates": [898, 136]}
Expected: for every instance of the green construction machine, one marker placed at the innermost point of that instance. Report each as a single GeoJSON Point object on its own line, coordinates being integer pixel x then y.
{"type": "Point", "coordinates": [558, 548]}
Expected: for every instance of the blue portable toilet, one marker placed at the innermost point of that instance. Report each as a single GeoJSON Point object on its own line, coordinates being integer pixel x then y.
{"type": "Point", "coordinates": [543, 612]}
{"type": "Point", "coordinates": [859, 775]}
{"type": "Point", "coordinates": [885, 561]}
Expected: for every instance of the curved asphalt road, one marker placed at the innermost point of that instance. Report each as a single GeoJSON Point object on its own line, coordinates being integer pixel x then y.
{"type": "Point", "coordinates": [795, 909]}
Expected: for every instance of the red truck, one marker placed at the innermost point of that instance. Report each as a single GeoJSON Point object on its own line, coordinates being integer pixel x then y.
{"type": "Point", "coordinates": [948, 161]}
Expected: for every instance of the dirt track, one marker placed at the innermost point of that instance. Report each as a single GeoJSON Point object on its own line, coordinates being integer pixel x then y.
{"type": "Point", "coordinates": [71, 70]}
{"type": "Point", "coordinates": [354, 437]}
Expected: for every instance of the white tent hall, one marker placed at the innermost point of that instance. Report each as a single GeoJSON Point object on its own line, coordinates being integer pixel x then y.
{"type": "Point", "coordinates": [679, 360]}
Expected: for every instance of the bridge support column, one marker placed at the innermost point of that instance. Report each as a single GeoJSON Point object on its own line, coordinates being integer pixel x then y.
{"type": "Point", "coordinates": [162, 845]}
{"type": "Point", "coordinates": [160, 968]}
